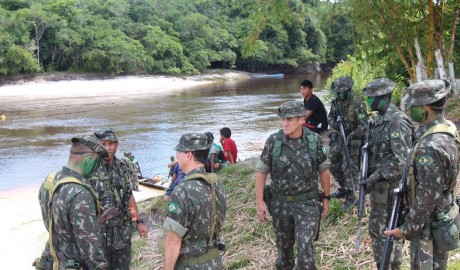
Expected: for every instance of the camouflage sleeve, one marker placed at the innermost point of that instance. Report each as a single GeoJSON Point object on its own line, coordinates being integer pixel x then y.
{"type": "Point", "coordinates": [322, 160]}
{"type": "Point", "coordinates": [361, 118]}
{"type": "Point", "coordinates": [400, 139]}
{"type": "Point", "coordinates": [429, 175]}
{"type": "Point", "coordinates": [83, 217]}
{"type": "Point", "coordinates": [266, 157]}
{"type": "Point", "coordinates": [332, 118]}
{"type": "Point", "coordinates": [178, 211]}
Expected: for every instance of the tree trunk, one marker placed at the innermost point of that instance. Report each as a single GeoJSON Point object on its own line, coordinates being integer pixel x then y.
{"type": "Point", "coordinates": [441, 69]}
{"type": "Point", "coordinates": [421, 74]}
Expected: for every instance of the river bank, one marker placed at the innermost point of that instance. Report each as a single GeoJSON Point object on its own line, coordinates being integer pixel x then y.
{"type": "Point", "coordinates": [23, 231]}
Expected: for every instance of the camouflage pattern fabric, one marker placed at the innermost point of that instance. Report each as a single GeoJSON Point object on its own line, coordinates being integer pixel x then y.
{"type": "Point", "coordinates": [189, 215]}
{"type": "Point", "coordinates": [391, 137]}
{"type": "Point", "coordinates": [427, 92]}
{"type": "Point", "coordinates": [291, 109]}
{"type": "Point", "coordinates": [112, 186]}
{"type": "Point", "coordinates": [379, 87]}
{"type": "Point", "coordinates": [75, 225]}
{"type": "Point", "coordinates": [193, 142]}
{"type": "Point", "coordinates": [295, 173]}
{"type": "Point", "coordinates": [435, 177]}
{"type": "Point", "coordinates": [133, 179]}
{"type": "Point", "coordinates": [354, 117]}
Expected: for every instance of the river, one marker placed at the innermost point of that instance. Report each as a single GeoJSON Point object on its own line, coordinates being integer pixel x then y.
{"type": "Point", "coordinates": [34, 140]}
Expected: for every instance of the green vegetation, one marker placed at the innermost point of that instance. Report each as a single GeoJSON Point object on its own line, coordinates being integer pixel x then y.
{"type": "Point", "coordinates": [155, 36]}
{"type": "Point", "coordinates": [251, 244]}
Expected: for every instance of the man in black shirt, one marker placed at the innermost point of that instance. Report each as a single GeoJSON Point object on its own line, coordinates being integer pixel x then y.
{"type": "Point", "coordinates": [316, 117]}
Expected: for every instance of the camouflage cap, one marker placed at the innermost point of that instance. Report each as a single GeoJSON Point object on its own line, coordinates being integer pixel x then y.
{"type": "Point", "coordinates": [379, 87]}
{"type": "Point", "coordinates": [106, 135]}
{"type": "Point", "coordinates": [427, 92]}
{"type": "Point", "coordinates": [342, 84]}
{"type": "Point", "coordinates": [92, 143]}
{"type": "Point", "coordinates": [291, 109]}
{"type": "Point", "coordinates": [193, 142]}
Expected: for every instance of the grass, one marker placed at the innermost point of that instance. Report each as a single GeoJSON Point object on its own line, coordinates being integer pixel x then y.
{"type": "Point", "coordinates": [251, 244]}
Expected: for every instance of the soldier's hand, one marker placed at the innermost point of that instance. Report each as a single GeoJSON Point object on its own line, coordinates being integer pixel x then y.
{"type": "Point", "coordinates": [369, 182]}
{"type": "Point", "coordinates": [262, 212]}
{"type": "Point", "coordinates": [143, 230]}
{"type": "Point", "coordinates": [395, 232]}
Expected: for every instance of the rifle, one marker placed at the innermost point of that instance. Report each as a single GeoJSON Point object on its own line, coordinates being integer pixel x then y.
{"type": "Point", "coordinates": [362, 188]}
{"type": "Point", "coordinates": [343, 138]}
{"type": "Point", "coordinates": [396, 213]}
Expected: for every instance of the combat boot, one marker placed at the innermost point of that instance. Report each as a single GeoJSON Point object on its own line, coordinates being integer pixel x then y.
{"type": "Point", "coordinates": [349, 202]}
{"type": "Point", "coordinates": [340, 193]}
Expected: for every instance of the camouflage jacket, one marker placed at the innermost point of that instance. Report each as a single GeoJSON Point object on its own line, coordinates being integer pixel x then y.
{"type": "Point", "coordinates": [354, 115]}
{"type": "Point", "coordinates": [296, 171]}
{"type": "Point", "coordinates": [189, 213]}
{"type": "Point", "coordinates": [434, 165]}
{"type": "Point", "coordinates": [391, 137]}
{"type": "Point", "coordinates": [75, 225]}
{"type": "Point", "coordinates": [112, 186]}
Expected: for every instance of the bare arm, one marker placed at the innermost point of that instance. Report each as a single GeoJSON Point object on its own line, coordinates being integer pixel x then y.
{"type": "Point", "coordinates": [230, 157]}
{"type": "Point", "coordinates": [141, 228]}
{"type": "Point", "coordinates": [308, 115]}
{"type": "Point", "coordinates": [262, 213]}
{"type": "Point", "coordinates": [172, 250]}
{"type": "Point", "coordinates": [325, 180]}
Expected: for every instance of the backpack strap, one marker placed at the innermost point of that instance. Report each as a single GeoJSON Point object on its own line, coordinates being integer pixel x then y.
{"type": "Point", "coordinates": [309, 137]}
{"type": "Point", "coordinates": [51, 185]}
{"type": "Point", "coordinates": [449, 129]}
{"type": "Point", "coordinates": [211, 179]}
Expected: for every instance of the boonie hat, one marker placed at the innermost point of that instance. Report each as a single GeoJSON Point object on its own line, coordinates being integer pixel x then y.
{"type": "Point", "coordinates": [342, 84]}
{"type": "Point", "coordinates": [379, 87]}
{"type": "Point", "coordinates": [106, 135]}
{"type": "Point", "coordinates": [291, 109]}
{"type": "Point", "coordinates": [209, 134]}
{"type": "Point", "coordinates": [193, 142]}
{"type": "Point", "coordinates": [427, 92]}
{"type": "Point", "coordinates": [92, 143]}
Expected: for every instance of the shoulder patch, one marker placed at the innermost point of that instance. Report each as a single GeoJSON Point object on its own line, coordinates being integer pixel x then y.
{"type": "Point", "coordinates": [423, 160]}
{"type": "Point", "coordinates": [173, 207]}
{"type": "Point", "coordinates": [395, 134]}
{"type": "Point", "coordinates": [361, 116]}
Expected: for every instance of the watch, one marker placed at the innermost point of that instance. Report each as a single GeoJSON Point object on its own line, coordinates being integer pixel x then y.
{"type": "Point", "coordinates": [139, 221]}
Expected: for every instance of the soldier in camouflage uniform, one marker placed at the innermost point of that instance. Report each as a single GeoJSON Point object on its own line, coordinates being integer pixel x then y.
{"type": "Point", "coordinates": [75, 229]}
{"type": "Point", "coordinates": [353, 114]}
{"type": "Point", "coordinates": [295, 158]}
{"type": "Point", "coordinates": [196, 210]}
{"type": "Point", "coordinates": [391, 137]}
{"type": "Point", "coordinates": [432, 181]}
{"type": "Point", "coordinates": [111, 180]}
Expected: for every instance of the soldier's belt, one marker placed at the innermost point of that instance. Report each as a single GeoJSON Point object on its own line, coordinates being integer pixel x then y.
{"type": "Point", "coordinates": [191, 261]}
{"type": "Point", "coordinates": [117, 223]}
{"type": "Point", "coordinates": [311, 195]}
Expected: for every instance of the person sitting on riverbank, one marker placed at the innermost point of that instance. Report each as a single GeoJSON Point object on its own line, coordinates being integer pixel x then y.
{"type": "Point", "coordinates": [177, 177]}
{"type": "Point", "coordinates": [316, 117]}
{"type": "Point", "coordinates": [229, 145]}
{"type": "Point", "coordinates": [213, 162]}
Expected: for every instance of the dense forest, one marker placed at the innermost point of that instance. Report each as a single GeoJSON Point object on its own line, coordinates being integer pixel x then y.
{"type": "Point", "coordinates": [189, 36]}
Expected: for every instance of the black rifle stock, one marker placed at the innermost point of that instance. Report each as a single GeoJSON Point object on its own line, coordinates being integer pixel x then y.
{"type": "Point", "coordinates": [343, 139]}
{"type": "Point", "coordinates": [395, 214]}
{"type": "Point", "coordinates": [362, 188]}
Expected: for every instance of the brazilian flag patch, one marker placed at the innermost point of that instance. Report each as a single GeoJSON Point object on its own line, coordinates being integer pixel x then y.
{"type": "Point", "coordinates": [395, 134]}
{"type": "Point", "coordinates": [361, 116]}
{"type": "Point", "coordinates": [423, 160]}
{"type": "Point", "coordinates": [324, 150]}
{"type": "Point", "coordinates": [173, 207]}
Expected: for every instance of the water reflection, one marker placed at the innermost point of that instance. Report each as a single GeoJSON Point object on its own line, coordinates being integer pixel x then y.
{"type": "Point", "coordinates": [35, 141]}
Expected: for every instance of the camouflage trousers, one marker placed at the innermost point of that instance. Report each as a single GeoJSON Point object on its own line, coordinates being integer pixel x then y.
{"type": "Point", "coordinates": [424, 256]}
{"type": "Point", "coordinates": [378, 222]}
{"type": "Point", "coordinates": [338, 162]}
{"type": "Point", "coordinates": [214, 264]}
{"type": "Point", "coordinates": [119, 259]}
{"type": "Point", "coordinates": [295, 222]}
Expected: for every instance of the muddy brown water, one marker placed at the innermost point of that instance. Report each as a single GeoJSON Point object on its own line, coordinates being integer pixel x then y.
{"type": "Point", "coordinates": [34, 140]}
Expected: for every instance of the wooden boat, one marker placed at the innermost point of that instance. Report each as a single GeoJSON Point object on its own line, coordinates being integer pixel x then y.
{"type": "Point", "coordinates": [155, 183]}
{"type": "Point", "coordinates": [258, 76]}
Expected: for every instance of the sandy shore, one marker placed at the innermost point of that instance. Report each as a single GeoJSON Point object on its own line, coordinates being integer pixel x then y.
{"type": "Point", "coordinates": [23, 232]}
